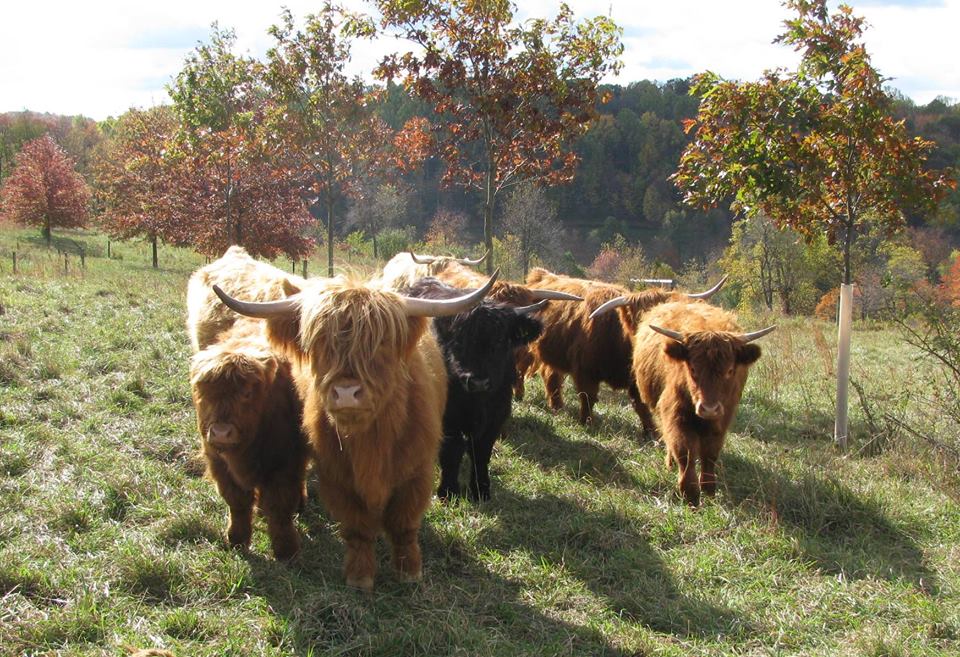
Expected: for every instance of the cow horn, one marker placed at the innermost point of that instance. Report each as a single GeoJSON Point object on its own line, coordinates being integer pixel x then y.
{"type": "Point", "coordinates": [609, 305]}
{"type": "Point", "coordinates": [709, 293]}
{"type": "Point", "coordinates": [443, 307]}
{"type": "Point", "coordinates": [667, 332]}
{"type": "Point", "coordinates": [473, 263]}
{"type": "Point", "coordinates": [553, 295]}
{"type": "Point", "coordinates": [753, 335]}
{"type": "Point", "coordinates": [260, 309]}
{"type": "Point", "coordinates": [422, 260]}
{"type": "Point", "coordinates": [532, 308]}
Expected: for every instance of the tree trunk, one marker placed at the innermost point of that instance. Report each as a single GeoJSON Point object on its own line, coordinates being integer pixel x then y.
{"type": "Point", "coordinates": [304, 267]}
{"type": "Point", "coordinates": [841, 426]}
{"type": "Point", "coordinates": [153, 244]}
{"type": "Point", "coordinates": [374, 245]}
{"type": "Point", "coordinates": [330, 236]}
{"type": "Point", "coordinates": [46, 232]}
{"type": "Point", "coordinates": [488, 219]}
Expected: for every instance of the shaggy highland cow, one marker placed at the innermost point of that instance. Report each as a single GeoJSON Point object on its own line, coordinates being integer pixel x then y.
{"type": "Point", "coordinates": [249, 417]}
{"type": "Point", "coordinates": [592, 351]}
{"type": "Point", "coordinates": [478, 349]}
{"type": "Point", "coordinates": [375, 390]}
{"type": "Point", "coordinates": [690, 363]}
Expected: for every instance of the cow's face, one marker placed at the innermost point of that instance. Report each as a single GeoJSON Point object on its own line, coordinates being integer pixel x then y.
{"type": "Point", "coordinates": [230, 389]}
{"type": "Point", "coordinates": [357, 341]}
{"type": "Point", "coordinates": [711, 362]}
{"type": "Point", "coordinates": [479, 345]}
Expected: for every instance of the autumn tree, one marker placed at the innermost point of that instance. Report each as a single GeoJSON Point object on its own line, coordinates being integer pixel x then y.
{"type": "Point", "coordinates": [137, 186]}
{"type": "Point", "coordinates": [376, 209]}
{"type": "Point", "coordinates": [44, 189]}
{"type": "Point", "coordinates": [234, 191]}
{"type": "Point", "coordinates": [816, 149]}
{"type": "Point", "coordinates": [531, 219]}
{"type": "Point", "coordinates": [510, 97]}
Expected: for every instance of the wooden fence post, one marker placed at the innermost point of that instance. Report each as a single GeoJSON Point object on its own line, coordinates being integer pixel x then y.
{"type": "Point", "coordinates": [14, 262]}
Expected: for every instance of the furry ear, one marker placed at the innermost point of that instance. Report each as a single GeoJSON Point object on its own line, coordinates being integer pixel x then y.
{"type": "Point", "coordinates": [284, 335]}
{"type": "Point", "coordinates": [270, 366]}
{"type": "Point", "coordinates": [525, 331]}
{"type": "Point", "coordinates": [628, 318]}
{"type": "Point", "coordinates": [675, 350]}
{"type": "Point", "coordinates": [416, 328]}
{"type": "Point", "coordinates": [748, 354]}
{"type": "Point", "coordinates": [289, 288]}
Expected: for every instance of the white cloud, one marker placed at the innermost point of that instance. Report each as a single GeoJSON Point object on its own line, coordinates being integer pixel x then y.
{"type": "Point", "coordinates": [99, 58]}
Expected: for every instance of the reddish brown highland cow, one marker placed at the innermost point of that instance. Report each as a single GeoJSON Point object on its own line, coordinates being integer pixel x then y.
{"type": "Point", "coordinates": [249, 417]}
{"type": "Point", "coordinates": [690, 363]}
{"type": "Point", "coordinates": [375, 390]}
{"type": "Point", "coordinates": [593, 351]}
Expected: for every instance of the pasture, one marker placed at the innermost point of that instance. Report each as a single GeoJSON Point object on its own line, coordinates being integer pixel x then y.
{"type": "Point", "coordinates": [111, 537]}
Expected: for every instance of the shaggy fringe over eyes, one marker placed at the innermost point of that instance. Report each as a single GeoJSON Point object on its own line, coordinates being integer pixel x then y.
{"type": "Point", "coordinates": [715, 347]}
{"type": "Point", "coordinates": [235, 364]}
{"type": "Point", "coordinates": [349, 323]}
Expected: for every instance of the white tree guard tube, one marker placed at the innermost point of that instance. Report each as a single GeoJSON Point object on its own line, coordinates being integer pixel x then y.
{"type": "Point", "coordinates": [843, 364]}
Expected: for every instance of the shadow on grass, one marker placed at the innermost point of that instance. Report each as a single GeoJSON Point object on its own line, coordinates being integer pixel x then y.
{"type": "Point", "coordinates": [771, 422]}
{"type": "Point", "coordinates": [612, 559]}
{"type": "Point", "coordinates": [537, 440]}
{"type": "Point", "coordinates": [836, 529]}
{"type": "Point", "coordinates": [460, 607]}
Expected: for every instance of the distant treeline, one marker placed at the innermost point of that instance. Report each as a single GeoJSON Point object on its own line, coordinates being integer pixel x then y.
{"type": "Point", "coordinates": [621, 186]}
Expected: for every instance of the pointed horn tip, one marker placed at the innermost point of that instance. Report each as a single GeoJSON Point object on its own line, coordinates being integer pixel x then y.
{"type": "Point", "coordinates": [667, 332]}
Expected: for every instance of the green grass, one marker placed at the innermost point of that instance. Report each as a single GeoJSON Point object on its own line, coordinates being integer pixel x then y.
{"type": "Point", "coordinates": [110, 537]}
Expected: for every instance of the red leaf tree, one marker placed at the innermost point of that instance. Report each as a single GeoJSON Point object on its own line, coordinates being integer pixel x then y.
{"type": "Point", "coordinates": [511, 97]}
{"type": "Point", "coordinates": [44, 189]}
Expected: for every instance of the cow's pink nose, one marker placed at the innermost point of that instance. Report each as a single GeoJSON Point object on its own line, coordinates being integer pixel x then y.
{"type": "Point", "coordinates": [222, 433]}
{"type": "Point", "coordinates": [709, 411]}
{"type": "Point", "coordinates": [347, 396]}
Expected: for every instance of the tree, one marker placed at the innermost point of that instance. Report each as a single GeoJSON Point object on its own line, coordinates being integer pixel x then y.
{"type": "Point", "coordinates": [510, 97]}
{"type": "Point", "coordinates": [816, 149]}
{"type": "Point", "coordinates": [137, 186]}
{"type": "Point", "coordinates": [44, 189]}
{"type": "Point", "coordinates": [323, 119]}
{"type": "Point", "coordinates": [234, 191]}
{"type": "Point", "coordinates": [377, 209]}
{"type": "Point", "coordinates": [532, 220]}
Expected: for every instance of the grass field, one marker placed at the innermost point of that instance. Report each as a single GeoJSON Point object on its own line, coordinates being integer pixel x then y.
{"type": "Point", "coordinates": [110, 536]}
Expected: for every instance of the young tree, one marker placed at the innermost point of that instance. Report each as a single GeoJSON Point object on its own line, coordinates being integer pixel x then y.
{"type": "Point", "coordinates": [44, 189]}
{"type": "Point", "coordinates": [233, 191]}
{"type": "Point", "coordinates": [532, 220]}
{"type": "Point", "coordinates": [376, 209]}
{"type": "Point", "coordinates": [816, 149]}
{"type": "Point", "coordinates": [510, 97]}
{"type": "Point", "coordinates": [137, 186]}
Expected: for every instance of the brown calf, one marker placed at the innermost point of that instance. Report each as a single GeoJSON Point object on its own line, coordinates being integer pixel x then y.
{"type": "Point", "coordinates": [690, 363]}
{"type": "Point", "coordinates": [249, 417]}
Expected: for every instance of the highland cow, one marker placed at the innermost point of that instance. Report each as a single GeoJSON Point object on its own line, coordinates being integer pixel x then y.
{"type": "Point", "coordinates": [690, 363]}
{"type": "Point", "coordinates": [478, 349]}
{"type": "Point", "coordinates": [249, 417]}
{"type": "Point", "coordinates": [375, 391]}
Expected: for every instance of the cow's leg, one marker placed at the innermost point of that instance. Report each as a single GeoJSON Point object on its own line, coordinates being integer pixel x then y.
{"type": "Point", "coordinates": [279, 502]}
{"type": "Point", "coordinates": [239, 500]}
{"type": "Point", "coordinates": [451, 453]}
{"type": "Point", "coordinates": [709, 454]}
{"type": "Point", "coordinates": [588, 392]}
{"type": "Point", "coordinates": [686, 460]}
{"type": "Point", "coordinates": [401, 520]}
{"type": "Point", "coordinates": [358, 529]}
{"type": "Point", "coordinates": [523, 359]}
{"type": "Point", "coordinates": [553, 385]}
{"type": "Point", "coordinates": [481, 447]}
{"type": "Point", "coordinates": [646, 418]}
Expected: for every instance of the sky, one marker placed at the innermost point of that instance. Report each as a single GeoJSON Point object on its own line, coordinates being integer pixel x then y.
{"type": "Point", "coordinates": [101, 57]}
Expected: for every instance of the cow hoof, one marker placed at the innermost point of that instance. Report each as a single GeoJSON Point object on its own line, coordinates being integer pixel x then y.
{"type": "Point", "coordinates": [447, 494]}
{"type": "Point", "coordinates": [364, 584]}
{"type": "Point", "coordinates": [410, 577]}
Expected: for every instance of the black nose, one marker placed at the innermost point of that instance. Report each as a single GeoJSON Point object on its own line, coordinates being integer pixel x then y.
{"type": "Point", "coordinates": [473, 384]}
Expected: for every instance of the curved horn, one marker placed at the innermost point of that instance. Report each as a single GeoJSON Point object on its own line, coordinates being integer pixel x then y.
{"type": "Point", "coordinates": [443, 307]}
{"type": "Point", "coordinates": [260, 309]}
{"type": "Point", "coordinates": [753, 335]}
{"type": "Point", "coordinates": [422, 260]}
{"type": "Point", "coordinates": [709, 293]}
{"type": "Point", "coordinates": [532, 308]}
{"type": "Point", "coordinates": [667, 332]}
{"type": "Point", "coordinates": [609, 305]}
{"type": "Point", "coordinates": [553, 295]}
{"type": "Point", "coordinates": [473, 263]}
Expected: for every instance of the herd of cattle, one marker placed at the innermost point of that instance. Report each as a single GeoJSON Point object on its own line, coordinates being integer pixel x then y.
{"type": "Point", "coordinates": [355, 377]}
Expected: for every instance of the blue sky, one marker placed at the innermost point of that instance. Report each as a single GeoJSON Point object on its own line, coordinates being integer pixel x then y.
{"type": "Point", "coordinates": [109, 55]}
